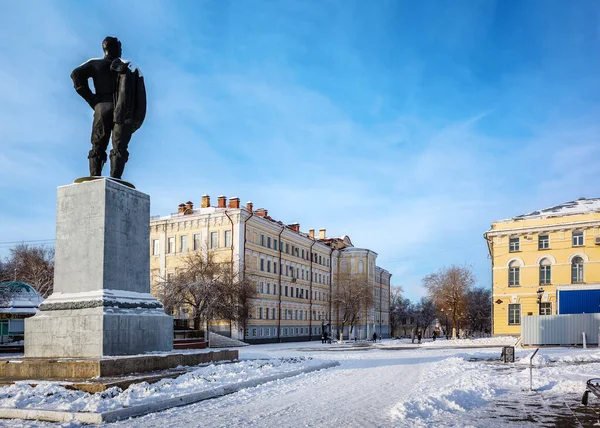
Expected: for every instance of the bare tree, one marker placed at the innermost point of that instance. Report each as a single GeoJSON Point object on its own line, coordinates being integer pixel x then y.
{"type": "Point", "coordinates": [448, 289]}
{"type": "Point", "coordinates": [479, 311]}
{"type": "Point", "coordinates": [33, 265]}
{"type": "Point", "coordinates": [211, 289]}
{"type": "Point", "coordinates": [426, 313]}
{"type": "Point", "coordinates": [352, 296]}
{"type": "Point", "coordinates": [401, 310]}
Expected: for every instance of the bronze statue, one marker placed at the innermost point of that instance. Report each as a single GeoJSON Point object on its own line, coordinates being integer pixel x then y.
{"type": "Point", "coordinates": [119, 105]}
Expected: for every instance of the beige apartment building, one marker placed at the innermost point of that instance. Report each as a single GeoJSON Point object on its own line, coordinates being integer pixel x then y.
{"type": "Point", "coordinates": [295, 272]}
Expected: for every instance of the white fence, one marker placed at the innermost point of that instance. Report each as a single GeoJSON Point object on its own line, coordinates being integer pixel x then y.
{"type": "Point", "coordinates": [560, 329]}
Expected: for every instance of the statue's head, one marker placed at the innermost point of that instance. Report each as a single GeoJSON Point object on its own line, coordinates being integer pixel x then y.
{"type": "Point", "coordinates": [111, 47]}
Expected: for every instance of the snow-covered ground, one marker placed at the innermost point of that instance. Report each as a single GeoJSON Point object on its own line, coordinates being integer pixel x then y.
{"type": "Point", "coordinates": [391, 383]}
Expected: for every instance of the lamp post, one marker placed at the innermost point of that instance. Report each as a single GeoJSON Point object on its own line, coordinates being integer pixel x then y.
{"type": "Point", "coordinates": [540, 293]}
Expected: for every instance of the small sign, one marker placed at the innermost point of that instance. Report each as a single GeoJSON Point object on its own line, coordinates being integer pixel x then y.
{"type": "Point", "coordinates": [498, 301]}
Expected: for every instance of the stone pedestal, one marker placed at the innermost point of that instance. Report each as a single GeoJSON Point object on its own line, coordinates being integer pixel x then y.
{"type": "Point", "coordinates": [101, 303]}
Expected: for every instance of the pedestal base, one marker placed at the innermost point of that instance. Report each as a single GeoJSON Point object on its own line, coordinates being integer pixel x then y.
{"type": "Point", "coordinates": [98, 374]}
{"type": "Point", "coordinates": [96, 332]}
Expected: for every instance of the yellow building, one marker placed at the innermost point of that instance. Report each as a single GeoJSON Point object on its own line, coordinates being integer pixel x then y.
{"type": "Point", "coordinates": [533, 254]}
{"type": "Point", "coordinates": [294, 271]}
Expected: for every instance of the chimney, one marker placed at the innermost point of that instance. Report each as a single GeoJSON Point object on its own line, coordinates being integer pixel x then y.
{"type": "Point", "coordinates": [311, 233]}
{"type": "Point", "coordinates": [322, 233]}
{"type": "Point", "coordinates": [261, 212]}
{"type": "Point", "coordinates": [189, 207]}
{"type": "Point", "coordinates": [234, 202]}
{"type": "Point", "coordinates": [181, 208]}
{"type": "Point", "coordinates": [295, 227]}
{"type": "Point", "coordinates": [205, 201]}
{"type": "Point", "coordinates": [249, 206]}
{"type": "Point", "coordinates": [221, 202]}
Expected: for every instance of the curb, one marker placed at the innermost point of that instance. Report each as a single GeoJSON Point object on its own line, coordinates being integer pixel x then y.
{"type": "Point", "coordinates": [142, 409]}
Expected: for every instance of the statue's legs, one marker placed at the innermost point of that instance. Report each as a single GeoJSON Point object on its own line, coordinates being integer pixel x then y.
{"type": "Point", "coordinates": [119, 154]}
{"type": "Point", "coordinates": [101, 128]}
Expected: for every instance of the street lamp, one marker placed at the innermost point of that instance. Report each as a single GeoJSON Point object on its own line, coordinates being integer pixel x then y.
{"type": "Point", "coordinates": [540, 293]}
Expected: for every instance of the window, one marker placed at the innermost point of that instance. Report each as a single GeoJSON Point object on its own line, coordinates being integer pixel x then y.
{"type": "Point", "coordinates": [262, 287]}
{"type": "Point", "coordinates": [268, 289]}
{"type": "Point", "coordinates": [303, 253]}
{"type": "Point", "coordinates": [514, 244]}
{"type": "Point", "coordinates": [286, 291]}
{"type": "Point", "coordinates": [196, 241]}
{"type": "Point", "coordinates": [259, 313]}
{"type": "Point", "coordinates": [274, 313]}
{"type": "Point", "coordinates": [296, 314]}
{"type": "Point", "coordinates": [274, 267]}
{"type": "Point", "coordinates": [287, 248]}
{"type": "Point", "coordinates": [361, 266]}
{"type": "Point", "coordinates": [183, 244]}
{"type": "Point", "coordinates": [514, 274]}
{"type": "Point", "coordinates": [262, 240]}
{"type": "Point", "coordinates": [262, 264]}
{"type": "Point", "coordinates": [546, 308]}
{"type": "Point", "coordinates": [155, 247]}
{"type": "Point", "coordinates": [267, 313]}
{"type": "Point", "coordinates": [275, 244]}
{"type": "Point", "coordinates": [228, 238]}
{"type": "Point", "coordinates": [576, 270]}
{"type": "Point", "coordinates": [514, 314]}
{"type": "Point", "coordinates": [253, 332]}
{"type": "Point", "coordinates": [578, 239]}
{"type": "Point", "coordinates": [320, 260]}
{"type": "Point", "coordinates": [543, 242]}
{"type": "Point", "coordinates": [171, 245]}
{"type": "Point", "coordinates": [268, 242]}
{"type": "Point", "coordinates": [268, 265]}
{"type": "Point", "coordinates": [214, 239]}
{"type": "Point", "coordinates": [545, 273]}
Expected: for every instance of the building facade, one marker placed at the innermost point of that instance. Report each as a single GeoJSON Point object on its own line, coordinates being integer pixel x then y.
{"type": "Point", "coordinates": [294, 271]}
{"type": "Point", "coordinates": [533, 254]}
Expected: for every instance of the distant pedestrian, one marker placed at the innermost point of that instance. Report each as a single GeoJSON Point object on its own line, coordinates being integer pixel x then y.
{"type": "Point", "coordinates": [323, 338]}
{"type": "Point", "coordinates": [419, 336]}
{"type": "Point", "coordinates": [434, 335]}
{"type": "Point", "coordinates": [374, 337]}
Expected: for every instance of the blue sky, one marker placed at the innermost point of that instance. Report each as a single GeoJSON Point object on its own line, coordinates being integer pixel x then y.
{"type": "Point", "coordinates": [408, 125]}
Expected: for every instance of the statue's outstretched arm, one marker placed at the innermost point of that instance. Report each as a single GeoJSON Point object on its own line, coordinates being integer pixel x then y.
{"type": "Point", "coordinates": [80, 78]}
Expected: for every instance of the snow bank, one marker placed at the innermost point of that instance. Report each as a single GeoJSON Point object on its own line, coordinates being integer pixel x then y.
{"type": "Point", "coordinates": [52, 396]}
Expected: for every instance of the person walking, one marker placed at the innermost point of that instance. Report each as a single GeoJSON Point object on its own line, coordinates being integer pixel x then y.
{"type": "Point", "coordinates": [419, 336]}
{"type": "Point", "coordinates": [374, 337]}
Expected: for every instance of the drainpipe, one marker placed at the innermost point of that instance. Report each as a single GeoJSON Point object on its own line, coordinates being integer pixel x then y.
{"type": "Point", "coordinates": [279, 291]}
{"type": "Point", "coordinates": [367, 309]}
{"type": "Point", "coordinates": [244, 266]}
{"type": "Point", "coordinates": [244, 246]}
{"type": "Point", "coordinates": [490, 245]}
{"type": "Point", "coordinates": [380, 290]}
{"type": "Point", "coordinates": [311, 293]}
{"type": "Point", "coordinates": [231, 221]}
{"type": "Point", "coordinates": [330, 287]}
{"type": "Point", "coordinates": [231, 266]}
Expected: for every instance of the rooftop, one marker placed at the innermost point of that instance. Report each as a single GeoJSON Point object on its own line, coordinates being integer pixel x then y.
{"type": "Point", "coordinates": [580, 206]}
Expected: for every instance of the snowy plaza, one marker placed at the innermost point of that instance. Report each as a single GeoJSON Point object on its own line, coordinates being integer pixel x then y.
{"type": "Point", "coordinates": [455, 383]}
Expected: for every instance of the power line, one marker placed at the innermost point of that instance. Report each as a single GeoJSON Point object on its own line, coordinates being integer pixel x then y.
{"type": "Point", "coordinates": [36, 241]}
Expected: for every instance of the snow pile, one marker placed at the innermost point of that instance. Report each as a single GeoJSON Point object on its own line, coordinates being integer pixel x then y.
{"type": "Point", "coordinates": [458, 386]}
{"type": "Point", "coordinates": [543, 359]}
{"type": "Point", "coordinates": [52, 396]}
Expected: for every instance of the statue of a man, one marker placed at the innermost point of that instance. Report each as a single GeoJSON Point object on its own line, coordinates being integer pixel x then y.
{"type": "Point", "coordinates": [119, 105]}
